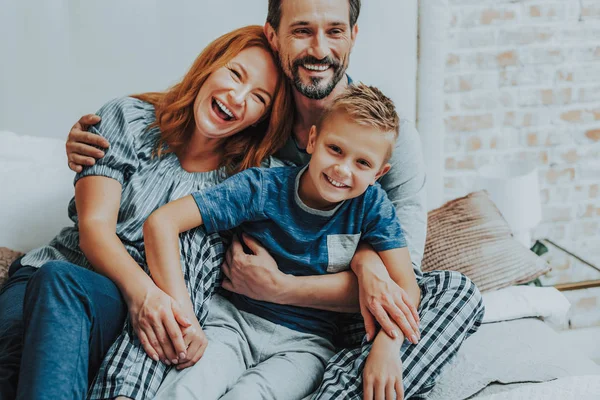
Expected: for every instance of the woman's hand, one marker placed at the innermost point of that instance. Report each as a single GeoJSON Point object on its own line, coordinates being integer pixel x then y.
{"type": "Point", "coordinates": [383, 300]}
{"type": "Point", "coordinates": [81, 144]}
{"type": "Point", "coordinates": [196, 341]}
{"type": "Point", "coordinates": [158, 321]}
{"type": "Point", "coordinates": [253, 275]}
{"type": "Point", "coordinates": [382, 375]}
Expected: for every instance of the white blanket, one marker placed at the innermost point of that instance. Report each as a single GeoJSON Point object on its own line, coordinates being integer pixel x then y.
{"type": "Point", "coordinates": [586, 387]}
{"type": "Point", "coordinates": [517, 302]}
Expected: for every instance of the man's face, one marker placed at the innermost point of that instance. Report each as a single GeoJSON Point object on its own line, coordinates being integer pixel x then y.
{"type": "Point", "coordinates": [314, 41]}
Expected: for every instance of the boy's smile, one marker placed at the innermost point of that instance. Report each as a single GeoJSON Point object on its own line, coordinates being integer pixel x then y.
{"type": "Point", "coordinates": [346, 159]}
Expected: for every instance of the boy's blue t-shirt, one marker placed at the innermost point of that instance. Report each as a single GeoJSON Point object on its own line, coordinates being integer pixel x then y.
{"type": "Point", "coordinates": [304, 241]}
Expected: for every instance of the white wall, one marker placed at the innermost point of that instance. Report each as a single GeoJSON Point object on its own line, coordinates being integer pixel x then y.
{"type": "Point", "coordinates": [64, 58]}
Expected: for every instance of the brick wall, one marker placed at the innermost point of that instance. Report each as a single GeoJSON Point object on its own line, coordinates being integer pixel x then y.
{"type": "Point", "coordinates": [523, 82]}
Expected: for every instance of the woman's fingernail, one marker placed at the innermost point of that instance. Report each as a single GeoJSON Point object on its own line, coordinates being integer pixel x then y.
{"type": "Point", "coordinates": [155, 357]}
{"type": "Point", "coordinates": [167, 362]}
{"type": "Point", "coordinates": [414, 339]}
{"type": "Point", "coordinates": [174, 361]}
{"type": "Point", "coordinates": [368, 337]}
{"type": "Point", "coordinates": [394, 334]}
{"type": "Point", "coordinates": [181, 355]}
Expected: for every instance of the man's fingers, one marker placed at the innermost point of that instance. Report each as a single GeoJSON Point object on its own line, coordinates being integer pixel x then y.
{"type": "Point", "coordinates": [82, 160]}
{"type": "Point", "coordinates": [399, 390]}
{"type": "Point", "coordinates": [227, 285]}
{"type": "Point", "coordinates": [253, 244]}
{"type": "Point", "coordinates": [84, 150]}
{"type": "Point", "coordinates": [74, 167]}
{"type": "Point", "coordinates": [81, 136]}
{"type": "Point", "coordinates": [147, 347]}
{"type": "Point", "coordinates": [236, 246]}
{"type": "Point", "coordinates": [226, 269]}
{"type": "Point", "coordinates": [90, 119]}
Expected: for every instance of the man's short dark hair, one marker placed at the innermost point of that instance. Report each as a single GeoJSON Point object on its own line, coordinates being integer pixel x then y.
{"type": "Point", "coordinates": [274, 14]}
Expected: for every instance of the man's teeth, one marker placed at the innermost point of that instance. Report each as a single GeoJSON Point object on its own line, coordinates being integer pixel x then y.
{"type": "Point", "coordinates": [335, 183]}
{"type": "Point", "coordinates": [224, 108]}
{"type": "Point", "coordinates": [317, 67]}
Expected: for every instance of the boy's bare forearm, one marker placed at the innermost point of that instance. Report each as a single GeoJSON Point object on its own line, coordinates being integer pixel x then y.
{"type": "Point", "coordinates": [161, 240]}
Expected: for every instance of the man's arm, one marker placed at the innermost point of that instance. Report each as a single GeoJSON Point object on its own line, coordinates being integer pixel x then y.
{"type": "Point", "coordinates": [82, 145]}
{"type": "Point", "coordinates": [405, 187]}
{"type": "Point", "coordinates": [258, 277]}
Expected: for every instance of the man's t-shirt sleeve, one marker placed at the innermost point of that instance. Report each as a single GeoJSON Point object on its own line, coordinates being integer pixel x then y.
{"type": "Point", "coordinates": [381, 228]}
{"type": "Point", "coordinates": [405, 187]}
{"type": "Point", "coordinates": [238, 199]}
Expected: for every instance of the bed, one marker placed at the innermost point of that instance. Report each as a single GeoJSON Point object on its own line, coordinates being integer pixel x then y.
{"type": "Point", "coordinates": [516, 353]}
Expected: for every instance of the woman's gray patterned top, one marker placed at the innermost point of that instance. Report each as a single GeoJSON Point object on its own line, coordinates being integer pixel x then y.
{"type": "Point", "coordinates": [147, 182]}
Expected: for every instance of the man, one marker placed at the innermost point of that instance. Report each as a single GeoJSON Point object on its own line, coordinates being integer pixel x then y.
{"type": "Point", "coordinates": [313, 39]}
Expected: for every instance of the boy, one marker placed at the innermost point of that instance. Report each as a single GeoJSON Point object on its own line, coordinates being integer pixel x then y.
{"type": "Point", "coordinates": [310, 219]}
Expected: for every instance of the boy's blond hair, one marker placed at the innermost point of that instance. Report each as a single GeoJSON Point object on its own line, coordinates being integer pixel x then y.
{"type": "Point", "coordinates": [367, 106]}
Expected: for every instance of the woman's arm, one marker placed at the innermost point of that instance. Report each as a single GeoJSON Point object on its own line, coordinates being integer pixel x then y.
{"type": "Point", "coordinates": [98, 200]}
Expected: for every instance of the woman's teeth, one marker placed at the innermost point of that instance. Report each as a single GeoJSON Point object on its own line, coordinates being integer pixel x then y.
{"type": "Point", "coordinates": [318, 67]}
{"type": "Point", "coordinates": [224, 108]}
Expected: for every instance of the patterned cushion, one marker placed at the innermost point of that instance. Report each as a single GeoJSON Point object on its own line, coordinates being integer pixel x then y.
{"type": "Point", "coordinates": [469, 235]}
{"type": "Point", "coordinates": [7, 256]}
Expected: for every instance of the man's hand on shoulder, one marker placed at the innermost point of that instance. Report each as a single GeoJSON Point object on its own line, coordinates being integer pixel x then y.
{"type": "Point", "coordinates": [82, 146]}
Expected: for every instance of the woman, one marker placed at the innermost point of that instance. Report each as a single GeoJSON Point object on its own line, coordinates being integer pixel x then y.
{"type": "Point", "coordinates": [163, 146]}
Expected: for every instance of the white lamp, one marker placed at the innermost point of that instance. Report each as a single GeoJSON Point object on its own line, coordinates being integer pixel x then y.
{"type": "Point", "coordinates": [514, 188]}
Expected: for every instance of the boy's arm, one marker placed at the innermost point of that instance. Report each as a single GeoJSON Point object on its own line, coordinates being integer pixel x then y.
{"type": "Point", "coordinates": [161, 240]}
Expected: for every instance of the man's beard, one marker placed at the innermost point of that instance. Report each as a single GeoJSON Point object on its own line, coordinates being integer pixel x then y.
{"type": "Point", "coordinates": [317, 89]}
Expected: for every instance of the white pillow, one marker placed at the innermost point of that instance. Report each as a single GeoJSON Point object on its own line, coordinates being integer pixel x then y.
{"type": "Point", "coordinates": [516, 302]}
{"type": "Point", "coordinates": [35, 188]}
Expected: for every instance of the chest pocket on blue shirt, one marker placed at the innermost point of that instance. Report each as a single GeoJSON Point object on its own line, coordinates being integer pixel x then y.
{"type": "Point", "coordinates": [340, 250]}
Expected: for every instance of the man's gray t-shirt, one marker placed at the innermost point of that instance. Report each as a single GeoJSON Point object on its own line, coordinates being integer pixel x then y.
{"type": "Point", "coordinates": [404, 185]}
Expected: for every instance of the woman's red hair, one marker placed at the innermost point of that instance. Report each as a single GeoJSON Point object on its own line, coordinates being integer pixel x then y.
{"type": "Point", "coordinates": [175, 107]}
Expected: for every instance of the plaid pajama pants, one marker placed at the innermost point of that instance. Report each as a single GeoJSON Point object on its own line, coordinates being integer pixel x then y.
{"type": "Point", "coordinates": [451, 309]}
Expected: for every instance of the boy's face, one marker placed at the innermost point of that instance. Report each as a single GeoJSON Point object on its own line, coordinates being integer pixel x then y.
{"type": "Point", "coordinates": [346, 159]}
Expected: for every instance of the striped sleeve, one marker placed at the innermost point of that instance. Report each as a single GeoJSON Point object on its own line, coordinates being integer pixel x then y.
{"type": "Point", "coordinates": [117, 126]}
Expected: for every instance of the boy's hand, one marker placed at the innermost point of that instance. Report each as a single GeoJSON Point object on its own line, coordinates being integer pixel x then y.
{"type": "Point", "coordinates": [381, 298]}
{"type": "Point", "coordinates": [382, 375]}
{"type": "Point", "coordinates": [196, 340]}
